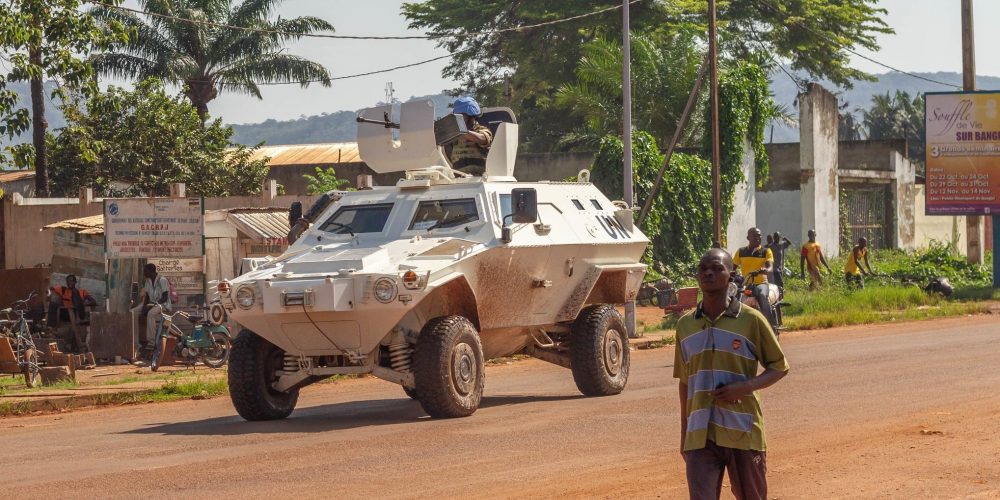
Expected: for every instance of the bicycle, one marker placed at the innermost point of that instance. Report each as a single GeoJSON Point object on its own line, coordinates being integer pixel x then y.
{"type": "Point", "coordinates": [19, 330]}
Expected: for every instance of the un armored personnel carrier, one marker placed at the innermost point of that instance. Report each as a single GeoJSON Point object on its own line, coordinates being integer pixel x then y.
{"type": "Point", "coordinates": [419, 283]}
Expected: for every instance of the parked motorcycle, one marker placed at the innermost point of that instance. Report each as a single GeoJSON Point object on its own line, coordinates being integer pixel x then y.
{"type": "Point", "coordinates": [209, 341]}
{"type": "Point", "coordinates": [744, 287]}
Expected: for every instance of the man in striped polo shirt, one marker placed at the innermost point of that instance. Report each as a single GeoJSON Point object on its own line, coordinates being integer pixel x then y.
{"type": "Point", "coordinates": [719, 348]}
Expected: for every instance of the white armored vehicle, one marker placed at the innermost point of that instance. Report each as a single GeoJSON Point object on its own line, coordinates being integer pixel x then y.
{"type": "Point", "coordinates": [421, 282]}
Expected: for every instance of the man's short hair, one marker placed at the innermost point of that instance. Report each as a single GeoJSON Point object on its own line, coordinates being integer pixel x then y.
{"type": "Point", "coordinates": [149, 267]}
{"type": "Point", "coordinates": [726, 258]}
{"type": "Point", "coordinates": [71, 276]}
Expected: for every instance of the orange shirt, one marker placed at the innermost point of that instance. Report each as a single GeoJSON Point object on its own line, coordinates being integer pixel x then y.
{"type": "Point", "coordinates": [812, 251]}
{"type": "Point", "coordinates": [66, 294]}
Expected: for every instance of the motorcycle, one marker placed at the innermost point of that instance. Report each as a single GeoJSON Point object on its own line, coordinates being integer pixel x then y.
{"type": "Point", "coordinates": [775, 295]}
{"type": "Point", "coordinates": [209, 341]}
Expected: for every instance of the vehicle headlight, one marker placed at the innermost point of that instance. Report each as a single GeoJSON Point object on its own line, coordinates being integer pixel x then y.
{"type": "Point", "coordinates": [385, 290]}
{"type": "Point", "coordinates": [245, 297]}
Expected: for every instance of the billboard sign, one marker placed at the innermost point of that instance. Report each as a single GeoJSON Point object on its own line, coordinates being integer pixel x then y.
{"type": "Point", "coordinates": [962, 153]}
{"type": "Point", "coordinates": [142, 228]}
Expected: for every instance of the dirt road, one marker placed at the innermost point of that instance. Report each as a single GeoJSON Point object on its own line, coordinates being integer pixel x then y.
{"type": "Point", "coordinates": [900, 411]}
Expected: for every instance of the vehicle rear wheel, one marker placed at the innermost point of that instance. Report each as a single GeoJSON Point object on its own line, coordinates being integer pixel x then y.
{"type": "Point", "coordinates": [449, 368]}
{"type": "Point", "coordinates": [253, 368]}
{"type": "Point", "coordinates": [599, 351]}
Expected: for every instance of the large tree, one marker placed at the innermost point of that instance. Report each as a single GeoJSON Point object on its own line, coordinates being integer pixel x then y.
{"type": "Point", "coordinates": [43, 39]}
{"type": "Point", "coordinates": [813, 35]}
{"type": "Point", "coordinates": [181, 42]}
{"type": "Point", "coordinates": [138, 142]}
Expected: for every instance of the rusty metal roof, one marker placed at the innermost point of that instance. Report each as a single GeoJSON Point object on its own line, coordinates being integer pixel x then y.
{"type": "Point", "coordinates": [15, 175]}
{"type": "Point", "coordinates": [84, 225]}
{"type": "Point", "coordinates": [263, 225]}
{"type": "Point", "coordinates": [310, 154]}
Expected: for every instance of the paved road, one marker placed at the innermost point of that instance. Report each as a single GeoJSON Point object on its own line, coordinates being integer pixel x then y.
{"type": "Point", "coordinates": [901, 411]}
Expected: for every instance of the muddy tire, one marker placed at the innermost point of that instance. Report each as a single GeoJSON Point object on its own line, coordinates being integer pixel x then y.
{"type": "Point", "coordinates": [412, 393]}
{"type": "Point", "coordinates": [600, 351]}
{"type": "Point", "coordinates": [448, 367]}
{"type": "Point", "coordinates": [253, 363]}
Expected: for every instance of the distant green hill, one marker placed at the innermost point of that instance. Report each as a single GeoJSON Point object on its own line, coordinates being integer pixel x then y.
{"type": "Point", "coordinates": [339, 126]}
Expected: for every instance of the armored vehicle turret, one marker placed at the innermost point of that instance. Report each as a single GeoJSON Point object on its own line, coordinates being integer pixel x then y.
{"type": "Point", "coordinates": [420, 283]}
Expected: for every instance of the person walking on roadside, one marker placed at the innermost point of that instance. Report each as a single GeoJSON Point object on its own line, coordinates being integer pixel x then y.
{"type": "Point", "coordinates": [812, 254]}
{"type": "Point", "coordinates": [755, 258]}
{"type": "Point", "coordinates": [854, 273]}
{"type": "Point", "coordinates": [778, 245]}
{"type": "Point", "coordinates": [720, 347]}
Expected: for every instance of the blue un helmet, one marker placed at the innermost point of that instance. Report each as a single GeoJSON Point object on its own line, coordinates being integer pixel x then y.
{"type": "Point", "coordinates": [467, 106]}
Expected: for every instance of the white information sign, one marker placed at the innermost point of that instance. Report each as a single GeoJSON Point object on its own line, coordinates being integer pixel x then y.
{"type": "Point", "coordinates": [154, 227]}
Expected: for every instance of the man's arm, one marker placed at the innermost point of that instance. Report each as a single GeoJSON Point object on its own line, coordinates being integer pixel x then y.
{"type": "Point", "coordinates": [732, 392]}
{"type": "Point", "coordinates": [869, 265]}
{"type": "Point", "coordinates": [682, 390]}
{"type": "Point", "coordinates": [785, 243]}
{"type": "Point", "coordinates": [479, 137]}
{"type": "Point", "coordinates": [858, 260]}
{"type": "Point", "coordinates": [822, 258]}
{"type": "Point", "coordinates": [802, 265]}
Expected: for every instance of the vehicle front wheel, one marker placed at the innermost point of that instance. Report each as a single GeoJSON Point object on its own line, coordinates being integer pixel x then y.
{"type": "Point", "coordinates": [253, 368]}
{"type": "Point", "coordinates": [600, 351]}
{"type": "Point", "coordinates": [449, 368]}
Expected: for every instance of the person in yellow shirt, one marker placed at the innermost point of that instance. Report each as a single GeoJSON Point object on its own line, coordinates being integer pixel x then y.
{"type": "Point", "coordinates": [757, 259]}
{"type": "Point", "coordinates": [812, 254]}
{"type": "Point", "coordinates": [853, 270]}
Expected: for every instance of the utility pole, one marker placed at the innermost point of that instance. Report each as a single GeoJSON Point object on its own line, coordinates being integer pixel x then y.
{"type": "Point", "coordinates": [973, 223]}
{"type": "Point", "coordinates": [627, 138]}
{"type": "Point", "coordinates": [714, 84]}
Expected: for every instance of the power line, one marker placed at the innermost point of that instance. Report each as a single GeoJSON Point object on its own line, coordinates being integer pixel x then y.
{"type": "Point", "coordinates": [386, 70]}
{"type": "Point", "coordinates": [770, 7]}
{"type": "Point", "coordinates": [358, 37]}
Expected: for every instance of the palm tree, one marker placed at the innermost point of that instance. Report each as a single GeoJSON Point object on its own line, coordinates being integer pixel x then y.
{"type": "Point", "coordinates": [180, 42]}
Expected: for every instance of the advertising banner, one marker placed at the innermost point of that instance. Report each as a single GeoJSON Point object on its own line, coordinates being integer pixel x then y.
{"type": "Point", "coordinates": [963, 153]}
{"type": "Point", "coordinates": [154, 227]}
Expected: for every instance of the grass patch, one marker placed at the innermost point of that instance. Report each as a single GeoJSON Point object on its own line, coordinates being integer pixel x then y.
{"type": "Point", "coordinates": [656, 344]}
{"type": "Point", "coordinates": [173, 390]}
{"type": "Point", "coordinates": [977, 293]}
{"type": "Point", "coordinates": [836, 306]}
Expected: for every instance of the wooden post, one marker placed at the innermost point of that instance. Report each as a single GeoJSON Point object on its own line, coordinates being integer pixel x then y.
{"type": "Point", "coordinates": [973, 223]}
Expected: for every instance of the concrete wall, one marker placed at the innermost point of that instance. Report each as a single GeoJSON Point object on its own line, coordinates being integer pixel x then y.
{"type": "Point", "coordinates": [941, 228]}
{"type": "Point", "coordinates": [780, 211]}
{"type": "Point", "coordinates": [25, 244]}
{"type": "Point", "coordinates": [744, 204]}
{"type": "Point", "coordinates": [818, 159]}
{"type": "Point", "coordinates": [903, 195]}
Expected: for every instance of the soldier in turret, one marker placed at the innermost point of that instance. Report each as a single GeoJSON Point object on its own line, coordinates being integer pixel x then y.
{"type": "Point", "coordinates": [469, 152]}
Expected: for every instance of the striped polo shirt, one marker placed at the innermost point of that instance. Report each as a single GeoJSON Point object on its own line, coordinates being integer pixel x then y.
{"type": "Point", "coordinates": [710, 354]}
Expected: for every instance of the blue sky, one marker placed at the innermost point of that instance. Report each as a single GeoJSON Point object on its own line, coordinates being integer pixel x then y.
{"type": "Point", "coordinates": [928, 38]}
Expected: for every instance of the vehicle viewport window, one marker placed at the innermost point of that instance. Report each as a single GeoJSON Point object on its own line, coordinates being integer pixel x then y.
{"type": "Point", "coordinates": [358, 219]}
{"type": "Point", "coordinates": [577, 204]}
{"type": "Point", "coordinates": [505, 209]}
{"type": "Point", "coordinates": [596, 204]}
{"type": "Point", "coordinates": [440, 214]}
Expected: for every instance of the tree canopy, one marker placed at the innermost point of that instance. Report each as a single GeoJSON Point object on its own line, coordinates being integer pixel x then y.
{"type": "Point", "coordinates": [813, 35]}
{"type": "Point", "coordinates": [138, 142]}
{"type": "Point", "coordinates": [898, 116]}
{"type": "Point", "coordinates": [207, 59]}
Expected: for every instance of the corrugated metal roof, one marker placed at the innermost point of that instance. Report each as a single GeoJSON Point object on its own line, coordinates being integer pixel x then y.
{"type": "Point", "coordinates": [15, 175]}
{"type": "Point", "coordinates": [84, 225]}
{"type": "Point", "coordinates": [263, 225]}
{"type": "Point", "coordinates": [310, 154]}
